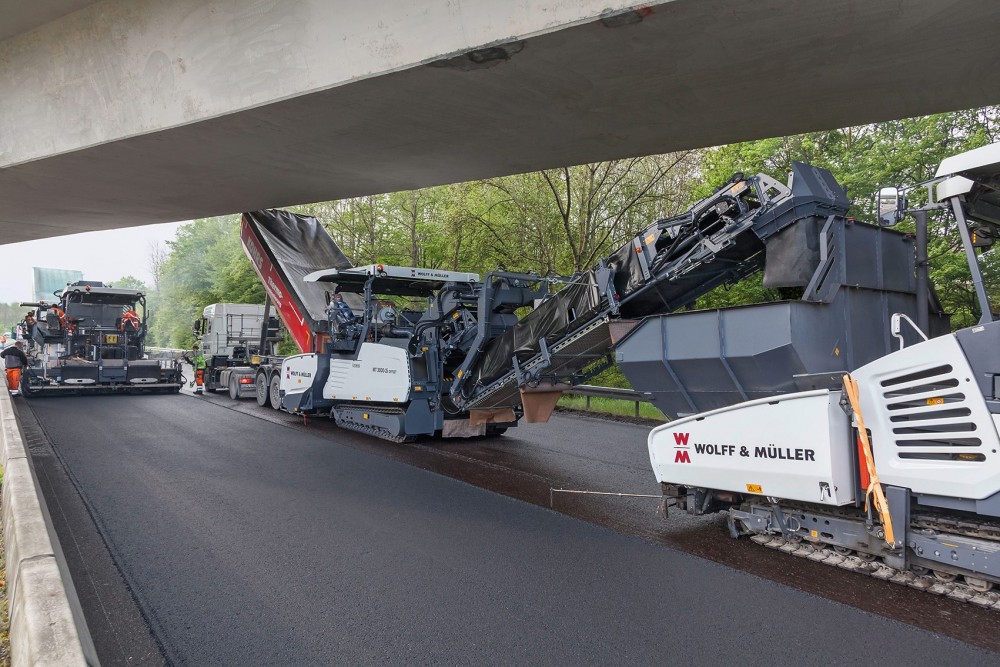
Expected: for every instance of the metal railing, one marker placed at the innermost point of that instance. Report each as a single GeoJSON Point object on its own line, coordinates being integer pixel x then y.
{"type": "Point", "coordinates": [163, 353]}
{"type": "Point", "coordinates": [590, 391]}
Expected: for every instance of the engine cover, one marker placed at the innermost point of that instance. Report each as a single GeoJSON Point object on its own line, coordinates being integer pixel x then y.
{"type": "Point", "coordinates": [794, 447]}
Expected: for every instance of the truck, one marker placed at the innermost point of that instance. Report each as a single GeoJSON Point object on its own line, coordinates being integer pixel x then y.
{"type": "Point", "coordinates": [888, 467]}
{"type": "Point", "coordinates": [237, 341]}
{"type": "Point", "coordinates": [92, 339]}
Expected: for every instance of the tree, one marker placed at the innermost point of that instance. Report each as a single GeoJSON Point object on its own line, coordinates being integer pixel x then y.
{"type": "Point", "coordinates": [158, 255]}
{"type": "Point", "coordinates": [10, 315]}
{"type": "Point", "coordinates": [129, 282]}
{"type": "Point", "coordinates": [206, 264]}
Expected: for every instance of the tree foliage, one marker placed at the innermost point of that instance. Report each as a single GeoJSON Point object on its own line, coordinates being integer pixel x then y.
{"type": "Point", "coordinates": [10, 315]}
{"type": "Point", "coordinates": [205, 265]}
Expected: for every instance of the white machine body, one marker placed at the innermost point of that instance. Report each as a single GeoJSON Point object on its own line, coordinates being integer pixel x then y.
{"type": "Point", "coordinates": [795, 447]}
{"type": "Point", "coordinates": [931, 432]}
{"type": "Point", "coordinates": [379, 374]}
{"type": "Point", "coordinates": [297, 373]}
{"type": "Point", "coordinates": [931, 429]}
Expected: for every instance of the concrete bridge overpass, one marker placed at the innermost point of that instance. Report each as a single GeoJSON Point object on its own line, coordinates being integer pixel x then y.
{"type": "Point", "coordinates": [127, 112]}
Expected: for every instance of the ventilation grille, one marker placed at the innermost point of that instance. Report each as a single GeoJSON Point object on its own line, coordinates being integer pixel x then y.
{"type": "Point", "coordinates": [930, 417]}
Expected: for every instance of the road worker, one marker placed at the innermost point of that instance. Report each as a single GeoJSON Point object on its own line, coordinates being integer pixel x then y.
{"type": "Point", "coordinates": [342, 318]}
{"type": "Point", "coordinates": [198, 365]}
{"type": "Point", "coordinates": [15, 361]}
{"type": "Point", "coordinates": [130, 321]}
{"type": "Point", "coordinates": [56, 314]}
{"type": "Point", "coordinates": [342, 309]}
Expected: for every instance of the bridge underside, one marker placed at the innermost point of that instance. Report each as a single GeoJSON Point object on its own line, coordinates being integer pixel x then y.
{"type": "Point", "coordinates": [690, 73]}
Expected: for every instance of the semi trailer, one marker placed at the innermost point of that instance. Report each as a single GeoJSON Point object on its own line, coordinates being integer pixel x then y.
{"type": "Point", "coordinates": [92, 339]}
{"type": "Point", "coordinates": [891, 468]}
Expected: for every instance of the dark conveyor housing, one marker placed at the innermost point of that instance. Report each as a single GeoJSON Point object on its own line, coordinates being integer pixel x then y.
{"type": "Point", "coordinates": [722, 239]}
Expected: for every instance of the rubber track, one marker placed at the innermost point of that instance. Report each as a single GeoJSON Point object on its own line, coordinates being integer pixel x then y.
{"type": "Point", "coordinates": [925, 582]}
{"type": "Point", "coordinates": [372, 430]}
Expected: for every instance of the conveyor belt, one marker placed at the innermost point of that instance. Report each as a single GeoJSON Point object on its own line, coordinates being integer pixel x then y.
{"type": "Point", "coordinates": [576, 351]}
{"type": "Point", "coordinates": [668, 266]}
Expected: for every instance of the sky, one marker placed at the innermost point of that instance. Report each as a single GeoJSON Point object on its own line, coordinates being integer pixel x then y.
{"type": "Point", "coordinates": [104, 256]}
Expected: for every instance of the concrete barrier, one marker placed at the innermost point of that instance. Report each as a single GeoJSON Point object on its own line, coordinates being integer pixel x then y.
{"type": "Point", "coordinates": [47, 626]}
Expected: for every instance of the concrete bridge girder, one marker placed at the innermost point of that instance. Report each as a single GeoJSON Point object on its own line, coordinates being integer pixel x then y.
{"type": "Point", "coordinates": [151, 112]}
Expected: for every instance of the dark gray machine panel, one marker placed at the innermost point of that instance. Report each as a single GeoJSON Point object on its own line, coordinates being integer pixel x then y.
{"type": "Point", "coordinates": [702, 360]}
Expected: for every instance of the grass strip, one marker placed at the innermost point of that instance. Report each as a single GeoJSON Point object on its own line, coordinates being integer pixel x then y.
{"type": "Point", "coordinates": [610, 406]}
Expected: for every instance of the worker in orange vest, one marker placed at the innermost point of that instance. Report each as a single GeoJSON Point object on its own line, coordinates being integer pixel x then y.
{"type": "Point", "coordinates": [60, 313]}
{"type": "Point", "coordinates": [15, 361]}
{"type": "Point", "coordinates": [130, 318]}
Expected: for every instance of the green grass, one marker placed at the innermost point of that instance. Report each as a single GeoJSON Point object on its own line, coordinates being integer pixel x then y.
{"type": "Point", "coordinates": [611, 406]}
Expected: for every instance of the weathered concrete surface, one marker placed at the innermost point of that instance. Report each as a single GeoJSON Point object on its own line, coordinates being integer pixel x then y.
{"type": "Point", "coordinates": [127, 67]}
{"type": "Point", "coordinates": [131, 112]}
{"type": "Point", "coordinates": [46, 621]}
{"type": "Point", "coordinates": [20, 16]}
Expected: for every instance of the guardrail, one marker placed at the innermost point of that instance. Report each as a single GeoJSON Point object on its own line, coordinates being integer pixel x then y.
{"type": "Point", "coordinates": [163, 353]}
{"type": "Point", "coordinates": [590, 391]}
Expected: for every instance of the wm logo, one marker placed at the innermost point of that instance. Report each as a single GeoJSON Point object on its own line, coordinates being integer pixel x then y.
{"type": "Point", "coordinates": [682, 455]}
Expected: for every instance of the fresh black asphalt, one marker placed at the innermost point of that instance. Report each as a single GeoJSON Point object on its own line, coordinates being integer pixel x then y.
{"type": "Point", "coordinates": [247, 542]}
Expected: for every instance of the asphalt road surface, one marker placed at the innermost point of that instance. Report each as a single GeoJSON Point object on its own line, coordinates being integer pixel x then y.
{"type": "Point", "coordinates": [200, 534]}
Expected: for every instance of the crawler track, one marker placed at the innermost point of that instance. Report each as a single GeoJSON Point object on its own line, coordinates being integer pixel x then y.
{"type": "Point", "coordinates": [372, 429]}
{"type": "Point", "coordinates": [926, 582]}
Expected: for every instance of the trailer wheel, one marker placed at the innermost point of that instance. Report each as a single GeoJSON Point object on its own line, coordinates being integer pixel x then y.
{"type": "Point", "coordinates": [234, 387]}
{"type": "Point", "coordinates": [263, 391]}
{"type": "Point", "coordinates": [273, 393]}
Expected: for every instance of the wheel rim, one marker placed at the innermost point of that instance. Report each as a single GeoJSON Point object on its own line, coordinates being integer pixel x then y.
{"type": "Point", "coordinates": [978, 585]}
{"type": "Point", "coordinates": [262, 390]}
{"type": "Point", "coordinates": [275, 398]}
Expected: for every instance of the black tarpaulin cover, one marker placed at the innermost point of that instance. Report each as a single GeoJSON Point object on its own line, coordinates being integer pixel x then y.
{"type": "Point", "coordinates": [564, 312]}
{"type": "Point", "coordinates": [624, 262]}
{"type": "Point", "coordinates": [299, 245]}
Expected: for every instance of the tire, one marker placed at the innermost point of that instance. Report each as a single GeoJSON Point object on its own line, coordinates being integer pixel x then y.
{"type": "Point", "coordinates": [263, 390]}
{"type": "Point", "coordinates": [234, 387]}
{"type": "Point", "coordinates": [275, 398]}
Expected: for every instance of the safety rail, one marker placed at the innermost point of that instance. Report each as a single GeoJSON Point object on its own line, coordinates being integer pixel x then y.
{"type": "Point", "coordinates": [592, 391]}
{"type": "Point", "coordinates": [163, 353]}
